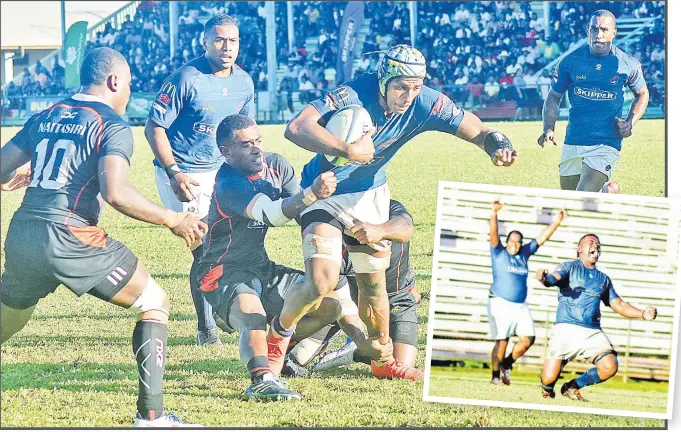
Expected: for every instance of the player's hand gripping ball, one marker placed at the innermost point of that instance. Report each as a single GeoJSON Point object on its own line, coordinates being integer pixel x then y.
{"type": "Point", "coordinates": [353, 125]}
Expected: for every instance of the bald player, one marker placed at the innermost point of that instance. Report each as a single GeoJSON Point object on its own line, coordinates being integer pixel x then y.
{"type": "Point", "coordinates": [595, 78]}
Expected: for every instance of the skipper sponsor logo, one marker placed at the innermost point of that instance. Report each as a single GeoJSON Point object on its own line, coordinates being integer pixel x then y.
{"type": "Point", "coordinates": [517, 270]}
{"type": "Point", "coordinates": [206, 129]}
{"type": "Point", "coordinates": [594, 94]}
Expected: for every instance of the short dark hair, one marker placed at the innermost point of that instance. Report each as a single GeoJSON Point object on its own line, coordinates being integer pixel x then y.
{"type": "Point", "coordinates": [585, 236]}
{"type": "Point", "coordinates": [605, 13]}
{"type": "Point", "coordinates": [229, 125]}
{"type": "Point", "coordinates": [219, 20]}
{"type": "Point", "coordinates": [98, 64]}
{"type": "Point", "coordinates": [517, 232]}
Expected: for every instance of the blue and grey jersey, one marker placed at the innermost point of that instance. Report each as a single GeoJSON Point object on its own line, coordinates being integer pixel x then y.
{"type": "Point", "coordinates": [190, 106]}
{"type": "Point", "coordinates": [509, 272]}
{"type": "Point", "coordinates": [595, 87]}
{"type": "Point", "coordinates": [430, 111]}
{"type": "Point", "coordinates": [580, 292]}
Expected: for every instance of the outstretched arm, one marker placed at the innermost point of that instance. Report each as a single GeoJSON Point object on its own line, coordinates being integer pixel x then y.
{"type": "Point", "coordinates": [399, 229]}
{"type": "Point", "coordinates": [549, 230]}
{"type": "Point", "coordinates": [494, 224]}
{"type": "Point", "coordinates": [548, 280]}
{"type": "Point", "coordinates": [497, 146]}
{"type": "Point", "coordinates": [628, 311]}
{"type": "Point", "coordinates": [550, 116]}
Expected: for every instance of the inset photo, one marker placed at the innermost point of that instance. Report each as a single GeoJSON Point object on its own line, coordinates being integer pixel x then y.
{"type": "Point", "coordinates": [554, 300]}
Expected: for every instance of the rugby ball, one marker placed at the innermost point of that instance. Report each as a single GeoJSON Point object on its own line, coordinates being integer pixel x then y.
{"type": "Point", "coordinates": [349, 124]}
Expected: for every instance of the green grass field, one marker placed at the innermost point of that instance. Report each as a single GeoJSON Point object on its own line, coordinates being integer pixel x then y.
{"type": "Point", "coordinates": [468, 383]}
{"type": "Point", "coordinates": [73, 366]}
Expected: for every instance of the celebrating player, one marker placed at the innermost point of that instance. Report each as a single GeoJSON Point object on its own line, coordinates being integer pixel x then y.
{"type": "Point", "coordinates": [508, 312]}
{"type": "Point", "coordinates": [78, 149]}
{"type": "Point", "coordinates": [577, 331]}
{"type": "Point", "coordinates": [595, 77]}
{"type": "Point", "coordinates": [401, 107]}
{"type": "Point", "coordinates": [181, 131]}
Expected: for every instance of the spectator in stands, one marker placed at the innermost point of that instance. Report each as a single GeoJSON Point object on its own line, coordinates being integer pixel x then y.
{"type": "Point", "coordinates": [492, 89]}
{"type": "Point", "coordinates": [475, 90]}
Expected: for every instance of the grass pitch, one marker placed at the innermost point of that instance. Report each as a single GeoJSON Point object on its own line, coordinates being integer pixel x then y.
{"type": "Point", "coordinates": [72, 365]}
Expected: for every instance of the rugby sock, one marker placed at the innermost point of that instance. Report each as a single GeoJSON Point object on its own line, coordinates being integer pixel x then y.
{"type": "Point", "coordinates": [548, 388]}
{"type": "Point", "coordinates": [507, 363]}
{"type": "Point", "coordinates": [281, 331]}
{"type": "Point", "coordinates": [149, 341]}
{"type": "Point", "coordinates": [258, 367]}
{"type": "Point", "coordinates": [496, 374]}
{"type": "Point", "coordinates": [204, 311]}
{"type": "Point", "coordinates": [588, 378]}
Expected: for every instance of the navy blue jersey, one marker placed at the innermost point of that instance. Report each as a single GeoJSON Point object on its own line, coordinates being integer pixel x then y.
{"type": "Point", "coordinates": [190, 106]}
{"type": "Point", "coordinates": [509, 272]}
{"type": "Point", "coordinates": [581, 291]}
{"type": "Point", "coordinates": [235, 244]}
{"type": "Point", "coordinates": [400, 275]}
{"type": "Point", "coordinates": [595, 86]}
{"type": "Point", "coordinates": [430, 111]}
{"type": "Point", "coordinates": [65, 143]}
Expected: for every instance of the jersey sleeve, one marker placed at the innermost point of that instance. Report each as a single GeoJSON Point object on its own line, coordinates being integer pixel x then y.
{"type": "Point", "coordinates": [530, 248]}
{"type": "Point", "coordinates": [561, 78]}
{"type": "Point", "coordinates": [445, 115]}
{"type": "Point", "coordinates": [563, 271]}
{"type": "Point", "coordinates": [234, 193]}
{"type": "Point", "coordinates": [635, 80]}
{"type": "Point", "coordinates": [249, 106]}
{"type": "Point", "coordinates": [495, 250]}
{"type": "Point", "coordinates": [289, 184]}
{"type": "Point", "coordinates": [609, 294]}
{"type": "Point", "coordinates": [117, 139]}
{"type": "Point", "coordinates": [170, 100]}
{"type": "Point", "coordinates": [336, 99]}
{"type": "Point", "coordinates": [23, 138]}
{"type": "Point", "coordinates": [397, 209]}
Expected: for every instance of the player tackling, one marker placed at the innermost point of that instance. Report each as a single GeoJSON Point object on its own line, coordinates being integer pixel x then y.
{"type": "Point", "coordinates": [577, 331]}
{"type": "Point", "coordinates": [595, 77]}
{"type": "Point", "coordinates": [507, 309]}
{"type": "Point", "coordinates": [401, 107]}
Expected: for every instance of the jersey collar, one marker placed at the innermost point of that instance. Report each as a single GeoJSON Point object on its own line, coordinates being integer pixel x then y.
{"type": "Point", "coordinates": [82, 97]}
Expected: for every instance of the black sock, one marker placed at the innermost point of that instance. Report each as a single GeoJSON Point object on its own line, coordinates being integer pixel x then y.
{"type": "Point", "coordinates": [507, 363]}
{"type": "Point", "coordinates": [496, 374]}
{"type": "Point", "coordinates": [204, 311]}
{"type": "Point", "coordinates": [258, 367]}
{"type": "Point", "coordinates": [357, 358]}
{"type": "Point", "coordinates": [149, 341]}
{"type": "Point", "coordinates": [548, 388]}
{"type": "Point", "coordinates": [281, 331]}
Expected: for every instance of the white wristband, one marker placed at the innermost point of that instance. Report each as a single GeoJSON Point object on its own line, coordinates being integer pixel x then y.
{"type": "Point", "coordinates": [309, 196]}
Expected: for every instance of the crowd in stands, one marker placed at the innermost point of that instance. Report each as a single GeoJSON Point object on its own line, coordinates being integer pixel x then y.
{"type": "Point", "coordinates": [480, 53]}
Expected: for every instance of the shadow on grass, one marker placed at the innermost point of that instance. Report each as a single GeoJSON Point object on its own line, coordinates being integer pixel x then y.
{"type": "Point", "coordinates": [35, 341]}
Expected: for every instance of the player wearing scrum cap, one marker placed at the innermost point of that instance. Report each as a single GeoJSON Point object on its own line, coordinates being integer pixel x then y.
{"type": "Point", "coordinates": [401, 107]}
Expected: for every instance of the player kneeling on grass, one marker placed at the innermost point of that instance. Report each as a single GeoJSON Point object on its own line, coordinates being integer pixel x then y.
{"type": "Point", "coordinates": [80, 148]}
{"type": "Point", "coordinates": [577, 331]}
{"type": "Point", "coordinates": [254, 190]}
{"type": "Point", "coordinates": [403, 298]}
{"type": "Point", "coordinates": [509, 314]}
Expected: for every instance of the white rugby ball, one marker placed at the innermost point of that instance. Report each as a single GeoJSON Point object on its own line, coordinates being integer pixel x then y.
{"type": "Point", "coordinates": [349, 124]}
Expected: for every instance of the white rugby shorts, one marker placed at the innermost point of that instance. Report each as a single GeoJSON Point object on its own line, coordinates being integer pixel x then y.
{"type": "Point", "coordinates": [569, 341]}
{"type": "Point", "coordinates": [599, 157]}
{"type": "Point", "coordinates": [508, 319]}
{"type": "Point", "coordinates": [203, 193]}
{"type": "Point", "coordinates": [372, 206]}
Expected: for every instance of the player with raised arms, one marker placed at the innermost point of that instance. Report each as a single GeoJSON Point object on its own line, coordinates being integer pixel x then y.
{"type": "Point", "coordinates": [595, 77]}
{"type": "Point", "coordinates": [81, 148]}
{"type": "Point", "coordinates": [577, 331]}
{"type": "Point", "coordinates": [507, 309]}
{"type": "Point", "coordinates": [181, 131]}
{"type": "Point", "coordinates": [401, 107]}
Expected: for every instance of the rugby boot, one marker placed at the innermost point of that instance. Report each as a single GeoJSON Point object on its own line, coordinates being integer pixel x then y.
{"type": "Point", "coordinates": [496, 381]}
{"type": "Point", "coordinates": [276, 351]}
{"type": "Point", "coordinates": [168, 420]}
{"type": "Point", "coordinates": [396, 369]}
{"type": "Point", "coordinates": [209, 337]}
{"type": "Point", "coordinates": [293, 369]}
{"type": "Point", "coordinates": [572, 393]}
{"type": "Point", "coordinates": [506, 376]}
{"type": "Point", "coordinates": [339, 357]}
{"type": "Point", "coordinates": [270, 388]}
{"type": "Point", "coordinates": [548, 394]}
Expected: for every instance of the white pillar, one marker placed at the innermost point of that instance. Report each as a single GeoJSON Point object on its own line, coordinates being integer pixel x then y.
{"type": "Point", "coordinates": [174, 16]}
{"type": "Point", "coordinates": [271, 42]}
{"type": "Point", "coordinates": [547, 22]}
{"type": "Point", "coordinates": [289, 21]}
{"type": "Point", "coordinates": [413, 14]}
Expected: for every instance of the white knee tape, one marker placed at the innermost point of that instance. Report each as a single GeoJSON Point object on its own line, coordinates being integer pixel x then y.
{"type": "Point", "coordinates": [315, 246]}
{"type": "Point", "coordinates": [366, 264]}
{"type": "Point", "coordinates": [305, 350]}
{"type": "Point", "coordinates": [152, 298]}
{"type": "Point", "coordinates": [348, 307]}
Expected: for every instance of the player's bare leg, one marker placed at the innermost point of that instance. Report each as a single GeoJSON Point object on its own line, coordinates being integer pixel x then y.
{"type": "Point", "coordinates": [13, 320]}
{"type": "Point", "coordinates": [328, 311]}
{"type": "Point", "coordinates": [606, 368]}
{"type": "Point", "coordinates": [569, 182]}
{"type": "Point", "coordinates": [549, 376]}
{"type": "Point", "coordinates": [498, 353]}
{"type": "Point", "coordinates": [591, 180]}
{"type": "Point", "coordinates": [322, 272]}
{"type": "Point", "coordinates": [519, 349]}
{"type": "Point", "coordinates": [405, 353]}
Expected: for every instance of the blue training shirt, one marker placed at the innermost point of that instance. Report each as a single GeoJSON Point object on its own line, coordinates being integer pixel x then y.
{"type": "Point", "coordinates": [509, 272]}
{"type": "Point", "coordinates": [190, 106]}
{"type": "Point", "coordinates": [581, 290]}
{"type": "Point", "coordinates": [596, 86]}
{"type": "Point", "coordinates": [430, 111]}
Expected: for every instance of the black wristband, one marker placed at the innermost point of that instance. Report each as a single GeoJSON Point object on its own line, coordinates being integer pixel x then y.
{"type": "Point", "coordinates": [172, 170]}
{"type": "Point", "coordinates": [8, 177]}
{"type": "Point", "coordinates": [496, 141]}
